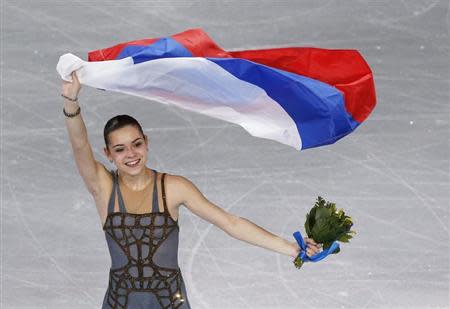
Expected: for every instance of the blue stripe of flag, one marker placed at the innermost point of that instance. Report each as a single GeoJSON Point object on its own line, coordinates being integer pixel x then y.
{"type": "Point", "coordinates": [317, 108]}
{"type": "Point", "coordinates": [163, 48]}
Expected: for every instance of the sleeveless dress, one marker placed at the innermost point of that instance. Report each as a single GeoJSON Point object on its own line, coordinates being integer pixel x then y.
{"type": "Point", "coordinates": [144, 271]}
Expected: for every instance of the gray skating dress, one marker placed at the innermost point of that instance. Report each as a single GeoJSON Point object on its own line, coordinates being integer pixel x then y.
{"type": "Point", "coordinates": [144, 271]}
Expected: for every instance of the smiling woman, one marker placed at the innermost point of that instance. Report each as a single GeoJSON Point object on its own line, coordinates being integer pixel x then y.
{"type": "Point", "coordinates": [142, 236]}
{"type": "Point", "coordinates": [118, 151]}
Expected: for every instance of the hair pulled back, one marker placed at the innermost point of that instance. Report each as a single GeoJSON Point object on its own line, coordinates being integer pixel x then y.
{"type": "Point", "coordinates": [118, 122]}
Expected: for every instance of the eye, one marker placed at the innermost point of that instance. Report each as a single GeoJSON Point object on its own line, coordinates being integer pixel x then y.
{"type": "Point", "coordinates": [138, 144]}
{"type": "Point", "coordinates": [119, 150]}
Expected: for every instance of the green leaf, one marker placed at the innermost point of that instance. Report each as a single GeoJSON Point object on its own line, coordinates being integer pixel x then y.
{"type": "Point", "coordinates": [298, 262]}
{"type": "Point", "coordinates": [345, 238]}
{"type": "Point", "coordinates": [322, 212]}
{"type": "Point", "coordinates": [307, 226]}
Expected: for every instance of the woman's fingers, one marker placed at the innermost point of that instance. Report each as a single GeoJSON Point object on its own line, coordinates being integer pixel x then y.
{"type": "Point", "coordinates": [310, 252]}
{"type": "Point", "coordinates": [312, 247]}
{"type": "Point", "coordinates": [75, 77]}
{"type": "Point", "coordinates": [311, 242]}
{"type": "Point", "coordinates": [71, 89]}
{"type": "Point", "coordinates": [76, 82]}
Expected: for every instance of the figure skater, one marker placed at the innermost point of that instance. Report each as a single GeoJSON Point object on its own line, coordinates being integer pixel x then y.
{"type": "Point", "coordinates": [143, 240]}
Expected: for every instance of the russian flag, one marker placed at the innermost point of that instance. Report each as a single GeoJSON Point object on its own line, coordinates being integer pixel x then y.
{"type": "Point", "coordinates": [300, 96]}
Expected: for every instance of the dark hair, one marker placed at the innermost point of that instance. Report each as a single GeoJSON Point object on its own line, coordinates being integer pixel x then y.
{"type": "Point", "coordinates": [118, 122]}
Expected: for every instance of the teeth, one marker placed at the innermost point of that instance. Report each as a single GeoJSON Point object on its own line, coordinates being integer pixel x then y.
{"type": "Point", "coordinates": [131, 163]}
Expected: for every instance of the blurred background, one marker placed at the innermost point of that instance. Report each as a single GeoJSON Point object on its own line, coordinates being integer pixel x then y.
{"type": "Point", "coordinates": [391, 174]}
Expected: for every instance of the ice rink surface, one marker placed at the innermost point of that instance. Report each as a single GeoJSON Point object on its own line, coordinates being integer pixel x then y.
{"type": "Point", "coordinates": [391, 175]}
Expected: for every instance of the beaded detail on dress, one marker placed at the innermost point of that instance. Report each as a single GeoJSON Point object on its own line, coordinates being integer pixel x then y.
{"type": "Point", "coordinates": [143, 247]}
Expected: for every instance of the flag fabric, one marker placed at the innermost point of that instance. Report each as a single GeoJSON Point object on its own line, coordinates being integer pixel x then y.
{"type": "Point", "coordinates": [303, 97]}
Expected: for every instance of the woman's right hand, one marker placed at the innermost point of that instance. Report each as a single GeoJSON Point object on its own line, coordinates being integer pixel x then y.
{"type": "Point", "coordinates": [71, 89]}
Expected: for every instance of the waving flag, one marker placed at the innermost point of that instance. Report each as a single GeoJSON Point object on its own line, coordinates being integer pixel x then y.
{"type": "Point", "coordinates": [300, 96]}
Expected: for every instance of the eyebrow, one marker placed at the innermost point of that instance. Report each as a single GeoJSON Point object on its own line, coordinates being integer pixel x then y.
{"type": "Point", "coordinates": [124, 145]}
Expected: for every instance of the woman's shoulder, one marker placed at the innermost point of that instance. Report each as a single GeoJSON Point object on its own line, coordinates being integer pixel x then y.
{"type": "Point", "coordinates": [177, 185]}
{"type": "Point", "coordinates": [170, 187]}
{"type": "Point", "coordinates": [173, 179]}
{"type": "Point", "coordinates": [182, 186]}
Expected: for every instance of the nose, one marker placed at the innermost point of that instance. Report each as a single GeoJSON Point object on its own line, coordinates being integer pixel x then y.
{"type": "Point", "coordinates": [131, 153]}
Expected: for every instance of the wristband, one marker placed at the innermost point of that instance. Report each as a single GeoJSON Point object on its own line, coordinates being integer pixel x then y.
{"type": "Point", "coordinates": [70, 99]}
{"type": "Point", "coordinates": [77, 112]}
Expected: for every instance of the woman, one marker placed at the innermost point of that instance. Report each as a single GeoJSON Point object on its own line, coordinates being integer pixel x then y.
{"type": "Point", "coordinates": [143, 239]}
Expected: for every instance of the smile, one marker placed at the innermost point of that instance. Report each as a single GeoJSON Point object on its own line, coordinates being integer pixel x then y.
{"type": "Point", "coordinates": [133, 163]}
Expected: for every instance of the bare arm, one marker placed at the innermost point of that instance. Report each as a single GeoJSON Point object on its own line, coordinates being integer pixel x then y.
{"type": "Point", "coordinates": [88, 167]}
{"type": "Point", "coordinates": [237, 227]}
{"type": "Point", "coordinates": [249, 232]}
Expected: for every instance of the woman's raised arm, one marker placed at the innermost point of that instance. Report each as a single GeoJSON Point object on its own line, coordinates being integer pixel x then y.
{"type": "Point", "coordinates": [88, 167]}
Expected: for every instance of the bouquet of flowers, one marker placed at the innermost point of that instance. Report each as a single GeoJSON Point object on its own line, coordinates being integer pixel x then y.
{"type": "Point", "coordinates": [325, 226]}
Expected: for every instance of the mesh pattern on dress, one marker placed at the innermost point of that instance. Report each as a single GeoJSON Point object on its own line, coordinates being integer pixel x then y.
{"type": "Point", "coordinates": [137, 237]}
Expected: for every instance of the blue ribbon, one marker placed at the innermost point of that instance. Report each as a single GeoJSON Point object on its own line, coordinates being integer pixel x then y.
{"type": "Point", "coordinates": [316, 257]}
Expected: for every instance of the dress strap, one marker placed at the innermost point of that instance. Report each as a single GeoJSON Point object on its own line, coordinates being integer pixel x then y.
{"type": "Point", "coordinates": [112, 198]}
{"type": "Point", "coordinates": [121, 203]}
{"type": "Point", "coordinates": [164, 193]}
{"type": "Point", "coordinates": [155, 207]}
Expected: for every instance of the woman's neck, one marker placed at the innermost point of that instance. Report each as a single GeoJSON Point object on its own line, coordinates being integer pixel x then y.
{"type": "Point", "coordinates": [136, 182]}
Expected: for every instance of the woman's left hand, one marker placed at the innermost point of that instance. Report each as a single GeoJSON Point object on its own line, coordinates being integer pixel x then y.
{"type": "Point", "coordinates": [311, 247]}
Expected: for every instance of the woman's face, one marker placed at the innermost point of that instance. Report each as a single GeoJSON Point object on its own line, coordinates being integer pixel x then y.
{"type": "Point", "coordinates": [128, 146]}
